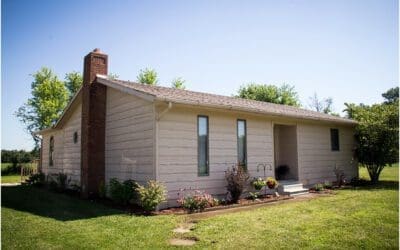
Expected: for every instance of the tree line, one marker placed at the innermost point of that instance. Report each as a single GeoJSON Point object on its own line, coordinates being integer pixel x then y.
{"type": "Point", "coordinates": [376, 133]}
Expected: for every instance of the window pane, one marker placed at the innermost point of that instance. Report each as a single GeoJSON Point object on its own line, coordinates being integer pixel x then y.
{"type": "Point", "coordinates": [241, 139]}
{"type": "Point", "coordinates": [51, 151]}
{"type": "Point", "coordinates": [335, 139]}
{"type": "Point", "coordinates": [202, 145]}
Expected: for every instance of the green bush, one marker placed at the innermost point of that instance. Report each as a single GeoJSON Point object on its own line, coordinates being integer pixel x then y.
{"type": "Point", "coordinates": [197, 201]}
{"type": "Point", "coordinates": [38, 179]}
{"type": "Point", "coordinates": [237, 179]}
{"type": "Point", "coordinates": [123, 193]}
{"type": "Point", "coordinates": [328, 184]}
{"type": "Point", "coordinates": [319, 187]}
{"type": "Point", "coordinates": [151, 195]}
{"type": "Point", "coordinates": [102, 190]}
{"type": "Point", "coordinates": [62, 181]}
{"type": "Point", "coordinates": [259, 183]}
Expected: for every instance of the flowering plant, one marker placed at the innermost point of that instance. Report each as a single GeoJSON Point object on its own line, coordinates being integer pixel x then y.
{"type": "Point", "coordinates": [272, 183]}
{"type": "Point", "coordinates": [196, 200]}
{"type": "Point", "coordinates": [259, 183]}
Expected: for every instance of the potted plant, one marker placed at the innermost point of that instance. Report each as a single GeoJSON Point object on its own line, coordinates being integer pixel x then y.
{"type": "Point", "coordinates": [272, 183]}
{"type": "Point", "coordinates": [258, 183]}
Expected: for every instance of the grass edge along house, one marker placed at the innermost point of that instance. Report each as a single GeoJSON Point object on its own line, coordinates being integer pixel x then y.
{"type": "Point", "coordinates": [186, 139]}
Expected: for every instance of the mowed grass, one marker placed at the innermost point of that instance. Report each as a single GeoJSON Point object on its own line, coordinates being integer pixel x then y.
{"type": "Point", "coordinates": [364, 217]}
{"type": "Point", "coordinates": [10, 179]}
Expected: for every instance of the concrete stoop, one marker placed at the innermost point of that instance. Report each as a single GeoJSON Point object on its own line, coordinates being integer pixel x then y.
{"type": "Point", "coordinates": [292, 188]}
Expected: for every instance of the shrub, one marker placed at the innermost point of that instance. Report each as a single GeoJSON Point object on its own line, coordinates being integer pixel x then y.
{"type": "Point", "coordinates": [38, 179]}
{"type": "Point", "coordinates": [259, 183]}
{"type": "Point", "coordinates": [253, 196]}
{"type": "Point", "coordinates": [102, 189]}
{"type": "Point", "coordinates": [122, 193]}
{"type": "Point", "coordinates": [151, 195]}
{"type": "Point", "coordinates": [339, 173]}
{"type": "Point", "coordinates": [327, 184]}
{"type": "Point", "coordinates": [272, 183]}
{"type": "Point", "coordinates": [197, 201]}
{"type": "Point", "coordinates": [319, 187]}
{"type": "Point", "coordinates": [62, 181]}
{"type": "Point", "coordinates": [237, 178]}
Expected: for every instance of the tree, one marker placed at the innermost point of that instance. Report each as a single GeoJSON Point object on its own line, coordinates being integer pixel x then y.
{"type": "Point", "coordinates": [323, 106]}
{"type": "Point", "coordinates": [391, 96]}
{"type": "Point", "coordinates": [48, 100]}
{"type": "Point", "coordinates": [113, 76]}
{"type": "Point", "coordinates": [73, 81]}
{"type": "Point", "coordinates": [285, 94]}
{"type": "Point", "coordinates": [178, 83]}
{"type": "Point", "coordinates": [377, 135]}
{"type": "Point", "coordinates": [147, 76]}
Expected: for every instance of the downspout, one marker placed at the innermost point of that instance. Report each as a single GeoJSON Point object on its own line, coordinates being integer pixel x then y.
{"type": "Point", "coordinates": [164, 111]}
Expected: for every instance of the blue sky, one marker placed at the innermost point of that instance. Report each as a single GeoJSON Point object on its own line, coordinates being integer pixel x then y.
{"type": "Point", "coordinates": [347, 50]}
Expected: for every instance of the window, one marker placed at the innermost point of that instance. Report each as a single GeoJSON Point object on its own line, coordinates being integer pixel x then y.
{"type": "Point", "coordinates": [75, 137]}
{"type": "Point", "coordinates": [51, 151]}
{"type": "Point", "coordinates": [242, 143]}
{"type": "Point", "coordinates": [202, 145]}
{"type": "Point", "coordinates": [335, 139]}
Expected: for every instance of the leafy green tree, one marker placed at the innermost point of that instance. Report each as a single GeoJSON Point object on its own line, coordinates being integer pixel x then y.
{"type": "Point", "coordinates": [392, 95]}
{"type": "Point", "coordinates": [73, 81]}
{"type": "Point", "coordinates": [377, 135]}
{"type": "Point", "coordinates": [178, 83]}
{"type": "Point", "coordinates": [113, 76]}
{"type": "Point", "coordinates": [48, 100]}
{"type": "Point", "coordinates": [285, 94]}
{"type": "Point", "coordinates": [147, 76]}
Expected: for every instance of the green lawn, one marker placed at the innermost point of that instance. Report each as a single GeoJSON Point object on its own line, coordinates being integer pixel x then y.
{"type": "Point", "coordinates": [10, 178]}
{"type": "Point", "coordinates": [354, 218]}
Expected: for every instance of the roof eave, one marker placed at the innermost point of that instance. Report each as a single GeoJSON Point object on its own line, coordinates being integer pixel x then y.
{"type": "Point", "coordinates": [250, 110]}
{"type": "Point", "coordinates": [109, 83]}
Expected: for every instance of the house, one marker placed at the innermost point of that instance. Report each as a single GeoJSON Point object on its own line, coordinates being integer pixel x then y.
{"type": "Point", "coordinates": [186, 139]}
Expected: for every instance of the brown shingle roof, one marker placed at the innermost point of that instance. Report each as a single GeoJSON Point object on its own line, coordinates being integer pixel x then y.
{"type": "Point", "coordinates": [224, 102]}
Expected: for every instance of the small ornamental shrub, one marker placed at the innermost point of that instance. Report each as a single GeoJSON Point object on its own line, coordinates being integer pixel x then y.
{"type": "Point", "coordinates": [38, 179]}
{"type": "Point", "coordinates": [236, 178]}
{"type": "Point", "coordinates": [253, 196]}
{"type": "Point", "coordinates": [319, 187]}
{"type": "Point", "coordinates": [197, 201]}
{"type": "Point", "coordinates": [340, 179]}
{"type": "Point", "coordinates": [272, 183]}
{"type": "Point", "coordinates": [62, 181]}
{"type": "Point", "coordinates": [122, 193]}
{"type": "Point", "coordinates": [259, 183]}
{"type": "Point", "coordinates": [102, 189]}
{"type": "Point", "coordinates": [151, 195]}
{"type": "Point", "coordinates": [327, 184]}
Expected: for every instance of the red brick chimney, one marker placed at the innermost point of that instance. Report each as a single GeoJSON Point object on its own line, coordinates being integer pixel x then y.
{"type": "Point", "coordinates": [93, 124]}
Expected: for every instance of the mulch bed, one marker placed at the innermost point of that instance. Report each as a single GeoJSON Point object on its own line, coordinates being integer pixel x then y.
{"type": "Point", "coordinates": [241, 203]}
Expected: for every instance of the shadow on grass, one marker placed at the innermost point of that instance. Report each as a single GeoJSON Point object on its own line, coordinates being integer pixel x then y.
{"type": "Point", "coordinates": [44, 203]}
{"type": "Point", "coordinates": [388, 185]}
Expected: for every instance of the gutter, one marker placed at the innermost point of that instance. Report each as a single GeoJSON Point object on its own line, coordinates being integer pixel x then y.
{"type": "Point", "coordinates": [164, 111]}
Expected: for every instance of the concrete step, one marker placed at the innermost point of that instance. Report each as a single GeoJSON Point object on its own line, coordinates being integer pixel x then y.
{"type": "Point", "coordinates": [292, 188]}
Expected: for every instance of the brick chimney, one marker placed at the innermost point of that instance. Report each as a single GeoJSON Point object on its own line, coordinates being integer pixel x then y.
{"type": "Point", "coordinates": [93, 124]}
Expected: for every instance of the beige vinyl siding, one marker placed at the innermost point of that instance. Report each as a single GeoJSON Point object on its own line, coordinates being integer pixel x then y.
{"type": "Point", "coordinates": [317, 160]}
{"type": "Point", "coordinates": [67, 155]}
{"type": "Point", "coordinates": [129, 142]}
{"type": "Point", "coordinates": [177, 149]}
{"type": "Point", "coordinates": [72, 151]}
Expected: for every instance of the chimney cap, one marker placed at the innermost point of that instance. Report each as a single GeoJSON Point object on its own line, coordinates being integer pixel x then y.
{"type": "Point", "coordinates": [97, 50]}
